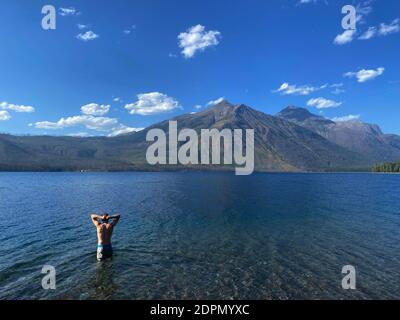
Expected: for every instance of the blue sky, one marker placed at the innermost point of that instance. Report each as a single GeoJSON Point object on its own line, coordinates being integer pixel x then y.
{"type": "Point", "coordinates": [130, 64]}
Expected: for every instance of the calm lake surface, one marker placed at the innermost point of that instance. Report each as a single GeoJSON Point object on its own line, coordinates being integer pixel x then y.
{"type": "Point", "coordinates": [201, 235]}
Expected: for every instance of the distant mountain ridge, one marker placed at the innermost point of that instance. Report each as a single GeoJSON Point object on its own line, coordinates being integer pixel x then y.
{"type": "Point", "coordinates": [293, 140]}
{"type": "Point", "coordinates": [363, 138]}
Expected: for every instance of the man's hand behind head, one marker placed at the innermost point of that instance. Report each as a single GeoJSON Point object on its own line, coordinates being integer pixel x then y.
{"type": "Point", "coordinates": [115, 218]}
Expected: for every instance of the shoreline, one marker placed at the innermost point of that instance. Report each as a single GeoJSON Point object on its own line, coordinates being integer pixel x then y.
{"type": "Point", "coordinates": [201, 171]}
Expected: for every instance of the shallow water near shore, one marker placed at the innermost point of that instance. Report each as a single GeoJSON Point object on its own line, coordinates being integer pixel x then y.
{"type": "Point", "coordinates": [201, 235]}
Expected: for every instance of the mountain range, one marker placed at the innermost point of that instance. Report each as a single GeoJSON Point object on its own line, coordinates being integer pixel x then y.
{"type": "Point", "coordinates": [293, 140]}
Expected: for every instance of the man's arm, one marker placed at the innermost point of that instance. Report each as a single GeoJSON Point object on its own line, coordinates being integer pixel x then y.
{"type": "Point", "coordinates": [115, 219]}
{"type": "Point", "coordinates": [95, 219]}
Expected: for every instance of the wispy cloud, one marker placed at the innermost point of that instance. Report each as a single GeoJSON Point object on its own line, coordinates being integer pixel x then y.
{"type": "Point", "coordinates": [350, 117]}
{"type": "Point", "coordinates": [209, 104]}
{"type": "Point", "coordinates": [370, 33]}
{"type": "Point", "coordinates": [82, 26]}
{"type": "Point", "coordinates": [129, 30]}
{"type": "Point", "coordinates": [338, 91]}
{"type": "Point", "coordinates": [152, 103]}
{"type": "Point", "coordinates": [214, 102]}
{"type": "Point", "coordinates": [87, 36]}
{"type": "Point", "coordinates": [337, 88]}
{"type": "Point", "coordinates": [383, 30]}
{"type": "Point", "coordinates": [71, 11]}
{"type": "Point", "coordinates": [303, 90]}
{"type": "Point", "coordinates": [386, 29]}
{"type": "Point", "coordinates": [364, 75]}
{"type": "Point", "coordinates": [323, 103]}
{"type": "Point", "coordinates": [196, 39]}
{"type": "Point", "coordinates": [307, 1]}
{"type": "Point", "coordinates": [363, 9]}
{"type": "Point", "coordinates": [78, 135]}
{"type": "Point", "coordinates": [122, 129]}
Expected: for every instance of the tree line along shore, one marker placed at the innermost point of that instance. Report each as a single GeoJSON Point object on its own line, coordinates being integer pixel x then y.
{"type": "Point", "coordinates": [387, 167]}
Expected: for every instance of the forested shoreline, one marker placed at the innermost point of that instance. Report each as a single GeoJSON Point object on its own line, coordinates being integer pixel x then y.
{"type": "Point", "coordinates": [393, 167]}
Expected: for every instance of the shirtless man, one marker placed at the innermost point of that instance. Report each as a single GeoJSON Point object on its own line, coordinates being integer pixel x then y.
{"type": "Point", "coordinates": [105, 225]}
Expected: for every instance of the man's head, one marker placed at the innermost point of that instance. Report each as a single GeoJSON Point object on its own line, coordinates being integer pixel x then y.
{"type": "Point", "coordinates": [105, 218]}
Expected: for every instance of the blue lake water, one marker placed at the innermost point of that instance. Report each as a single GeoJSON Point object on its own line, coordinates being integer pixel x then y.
{"type": "Point", "coordinates": [201, 235]}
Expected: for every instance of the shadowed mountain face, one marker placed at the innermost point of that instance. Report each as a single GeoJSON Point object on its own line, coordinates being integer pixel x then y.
{"type": "Point", "coordinates": [301, 116]}
{"type": "Point", "coordinates": [294, 140]}
{"type": "Point", "coordinates": [363, 138]}
{"type": "Point", "coordinates": [280, 145]}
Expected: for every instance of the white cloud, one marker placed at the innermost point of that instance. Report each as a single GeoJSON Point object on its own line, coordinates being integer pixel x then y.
{"type": "Point", "coordinates": [386, 29]}
{"type": "Point", "coordinates": [197, 39]}
{"type": "Point", "coordinates": [78, 135]}
{"type": "Point", "coordinates": [307, 1]}
{"type": "Point", "coordinates": [91, 119]}
{"type": "Point", "coordinates": [345, 37]}
{"type": "Point", "coordinates": [117, 99]}
{"type": "Point", "coordinates": [69, 12]}
{"type": "Point", "coordinates": [363, 9]}
{"type": "Point", "coordinates": [288, 89]}
{"type": "Point", "coordinates": [322, 103]}
{"type": "Point", "coordinates": [87, 36]}
{"type": "Point", "coordinates": [129, 30]}
{"type": "Point", "coordinates": [338, 91]}
{"type": "Point", "coordinates": [152, 103]}
{"type": "Point", "coordinates": [365, 75]}
{"type": "Point", "coordinates": [16, 108]}
{"type": "Point", "coordinates": [337, 88]}
{"type": "Point", "coordinates": [383, 30]}
{"type": "Point", "coordinates": [81, 26]}
{"type": "Point", "coordinates": [95, 109]}
{"type": "Point", "coordinates": [208, 104]}
{"type": "Point", "coordinates": [370, 33]}
{"type": "Point", "coordinates": [87, 121]}
{"type": "Point", "coordinates": [4, 115]}
{"type": "Point", "coordinates": [122, 129]}
{"type": "Point", "coordinates": [214, 102]}
{"type": "Point", "coordinates": [350, 117]}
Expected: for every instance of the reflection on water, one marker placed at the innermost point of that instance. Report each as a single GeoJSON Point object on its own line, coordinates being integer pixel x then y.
{"type": "Point", "coordinates": [104, 284]}
{"type": "Point", "coordinates": [201, 235]}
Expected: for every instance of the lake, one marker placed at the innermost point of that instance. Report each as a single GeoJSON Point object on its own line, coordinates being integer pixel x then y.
{"type": "Point", "coordinates": [201, 235]}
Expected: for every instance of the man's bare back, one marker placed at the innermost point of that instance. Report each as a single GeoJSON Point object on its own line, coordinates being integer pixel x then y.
{"type": "Point", "coordinates": [104, 233]}
{"type": "Point", "coordinates": [105, 226]}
